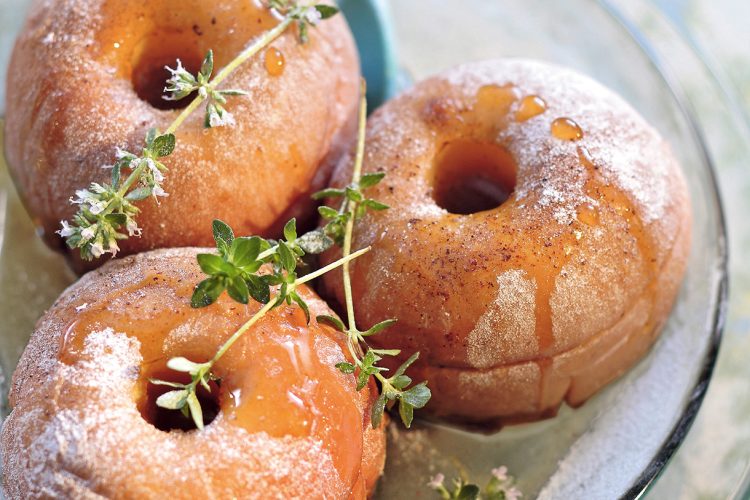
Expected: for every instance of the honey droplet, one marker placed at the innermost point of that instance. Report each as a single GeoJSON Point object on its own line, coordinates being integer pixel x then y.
{"type": "Point", "coordinates": [585, 158]}
{"type": "Point", "coordinates": [588, 214]}
{"type": "Point", "coordinates": [566, 129]}
{"type": "Point", "coordinates": [495, 99]}
{"type": "Point", "coordinates": [274, 61]}
{"type": "Point", "coordinates": [530, 106]}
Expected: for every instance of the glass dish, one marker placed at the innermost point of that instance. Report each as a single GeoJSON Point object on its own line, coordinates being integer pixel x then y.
{"type": "Point", "coordinates": [619, 441]}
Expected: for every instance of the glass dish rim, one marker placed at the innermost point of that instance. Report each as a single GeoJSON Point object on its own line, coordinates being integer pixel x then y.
{"type": "Point", "coordinates": [718, 320]}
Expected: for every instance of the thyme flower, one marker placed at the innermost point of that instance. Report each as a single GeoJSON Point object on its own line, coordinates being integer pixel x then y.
{"type": "Point", "coordinates": [182, 83]}
{"type": "Point", "coordinates": [499, 487]}
{"type": "Point", "coordinates": [303, 15]}
{"type": "Point", "coordinates": [106, 212]}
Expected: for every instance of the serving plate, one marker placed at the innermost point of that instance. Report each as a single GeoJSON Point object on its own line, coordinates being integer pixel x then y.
{"type": "Point", "coordinates": [619, 441]}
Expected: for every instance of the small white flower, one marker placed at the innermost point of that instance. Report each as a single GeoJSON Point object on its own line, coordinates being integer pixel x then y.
{"type": "Point", "coordinates": [49, 38]}
{"type": "Point", "coordinates": [221, 119]}
{"type": "Point", "coordinates": [97, 207]}
{"type": "Point", "coordinates": [436, 481]}
{"type": "Point", "coordinates": [500, 473]}
{"type": "Point", "coordinates": [97, 249]}
{"type": "Point", "coordinates": [203, 92]}
{"type": "Point", "coordinates": [113, 248]}
{"type": "Point", "coordinates": [513, 494]}
{"type": "Point", "coordinates": [312, 16]}
{"type": "Point", "coordinates": [82, 196]}
{"type": "Point", "coordinates": [179, 69]}
{"type": "Point", "coordinates": [180, 84]}
{"type": "Point", "coordinates": [82, 307]}
{"type": "Point", "coordinates": [158, 191]}
{"type": "Point", "coordinates": [132, 227]}
{"type": "Point", "coordinates": [121, 153]}
{"type": "Point", "coordinates": [98, 188]}
{"type": "Point", "coordinates": [67, 229]}
{"type": "Point", "coordinates": [88, 233]}
{"type": "Point", "coordinates": [151, 164]}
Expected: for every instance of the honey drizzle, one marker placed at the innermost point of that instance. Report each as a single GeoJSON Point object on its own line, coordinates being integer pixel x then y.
{"type": "Point", "coordinates": [274, 61]}
{"type": "Point", "coordinates": [587, 214]}
{"type": "Point", "coordinates": [248, 396]}
{"type": "Point", "coordinates": [86, 321]}
{"type": "Point", "coordinates": [494, 101]}
{"type": "Point", "coordinates": [489, 112]}
{"type": "Point", "coordinates": [488, 115]}
{"type": "Point", "coordinates": [566, 129]}
{"type": "Point", "coordinates": [493, 104]}
{"type": "Point", "coordinates": [529, 107]}
{"type": "Point", "coordinates": [610, 198]}
{"type": "Point", "coordinates": [151, 332]}
{"type": "Point", "coordinates": [557, 255]}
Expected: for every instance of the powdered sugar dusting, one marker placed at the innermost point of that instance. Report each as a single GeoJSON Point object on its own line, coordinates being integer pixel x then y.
{"type": "Point", "coordinates": [610, 198]}
{"type": "Point", "coordinates": [75, 102]}
{"type": "Point", "coordinates": [76, 432]}
{"type": "Point", "coordinates": [507, 324]}
{"type": "Point", "coordinates": [624, 146]}
{"type": "Point", "coordinates": [78, 450]}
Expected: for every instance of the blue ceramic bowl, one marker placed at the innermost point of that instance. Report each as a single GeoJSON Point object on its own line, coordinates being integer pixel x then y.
{"type": "Point", "coordinates": [369, 21]}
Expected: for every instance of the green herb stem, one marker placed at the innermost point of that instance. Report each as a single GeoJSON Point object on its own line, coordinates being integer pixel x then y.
{"type": "Point", "coordinates": [241, 330]}
{"type": "Point", "coordinates": [272, 303]}
{"type": "Point", "coordinates": [343, 261]}
{"type": "Point", "coordinates": [263, 41]}
{"type": "Point", "coordinates": [126, 185]}
{"type": "Point", "coordinates": [267, 253]}
{"type": "Point", "coordinates": [132, 179]}
{"type": "Point", "coordinates": [352, 206]}
{"type": "Point", "coordinates": [266, 39]}
{"type": "Point", "coordinates": [187, 111]}
{"type": "Point", "coordinates": [258, 45]}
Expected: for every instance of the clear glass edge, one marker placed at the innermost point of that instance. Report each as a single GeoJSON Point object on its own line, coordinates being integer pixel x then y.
{"type": "Point", "coordinates": [685, 421]}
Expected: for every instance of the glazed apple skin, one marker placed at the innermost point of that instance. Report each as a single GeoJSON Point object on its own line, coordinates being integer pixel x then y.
{"type": "Point", "coordinates": [541, 298]}
{"type": "Point", "coordinates": [84, 422]}
{"type": "Point", "coordinates": [85, 78]}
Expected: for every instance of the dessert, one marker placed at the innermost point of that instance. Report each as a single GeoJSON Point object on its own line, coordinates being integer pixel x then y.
{"type": "Point", "coordinates": [537, 236]}
{"type": "Point", "coordinates": [90, 76]}
{"type": "Point", "coordinates": [286, 422]}
{"type": "Point", "coordinates": [538, 233]}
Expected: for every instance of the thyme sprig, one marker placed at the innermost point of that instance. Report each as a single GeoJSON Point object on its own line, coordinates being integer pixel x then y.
{"type": "Point", "coordinates": [501, 486]}
{"type": "Point", "coordinates": [106, 212]}
{"type": "Point", "coordinates": [239, 267]}
{"type": "Point", "coordinates": [304, 15]}
{"type": "Point", "coordinates": [184, 396]}
{"type": "Point", "coordinates": [182, 83]}
{"type": "Point", "coordinates": [394, 389]}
